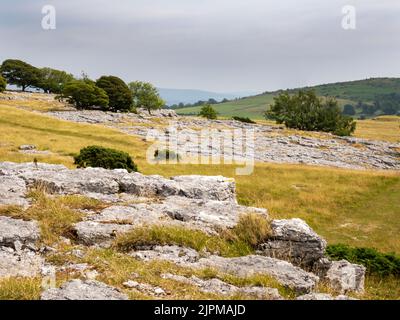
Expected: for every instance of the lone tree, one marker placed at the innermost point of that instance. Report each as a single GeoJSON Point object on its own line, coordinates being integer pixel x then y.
{"type": "Point", "coordinates": [305, 111]}
{"type": "Point", "coordinates": [84, 95]}
{"type": "Point", "coordinates": [53, 81]}
{"type": "Point", "coordinates": [145, 95]}
{"type": "Point", "coordinates": [120, 97]}
{"type": "Point", "coordinates": [3, 84]}
{"type": "Point", "coordinates": [208, 112]}
{"type": "Point", "coordinates": [20, 73]}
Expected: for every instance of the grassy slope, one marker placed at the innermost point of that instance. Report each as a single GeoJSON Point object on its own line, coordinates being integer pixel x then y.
{"type": "Point", "coordinates": [355, 207]}
{"type": "Point", "coordinates": [362, 206]}
{"type": "Point", "coordinates": [345, 92]}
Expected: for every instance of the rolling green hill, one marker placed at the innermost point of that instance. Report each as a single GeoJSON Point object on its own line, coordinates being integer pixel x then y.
{"type": "Point", "coordinates": [346, 92]}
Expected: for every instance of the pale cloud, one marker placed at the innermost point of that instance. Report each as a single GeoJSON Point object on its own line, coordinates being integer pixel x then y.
{"type": "Point", "coordinates": [223, 45]}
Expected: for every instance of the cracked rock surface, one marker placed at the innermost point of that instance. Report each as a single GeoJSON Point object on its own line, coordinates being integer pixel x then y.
{"type": "Point", "coordinates": [84, 290]}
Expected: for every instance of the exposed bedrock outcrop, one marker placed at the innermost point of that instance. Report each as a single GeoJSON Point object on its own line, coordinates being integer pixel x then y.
{"type": "Point", "coordinates": [216, 286]}
{"type": "Point", "coordinates": [91, 181]}
{"type": "Point", "coordinates": [20, 263]}
{"type": "Point", "coordinates": [283, 271]}
{"type": "Point", "coordinates": [294, 255]}
{"type": "Point", "coordinates": [295, 241]}
{"type": "Point", "coordinates": [345, 277]}
{"type": "Point", "coordinates": [84, 290]}
{"type": "Point", "coordinates": [15, 232]}
{"type": "Point", "coordinates": [209, 216]}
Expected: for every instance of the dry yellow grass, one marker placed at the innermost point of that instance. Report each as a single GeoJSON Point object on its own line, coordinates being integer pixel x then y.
{"type": "Point", "coordinates": [359, 208]}
{"type": "Point", "coordinates": [33, 101]}
{"type": "Point", "coordinates": [382, 128]}
{"type": "Point", "coordinates": [20, 289]}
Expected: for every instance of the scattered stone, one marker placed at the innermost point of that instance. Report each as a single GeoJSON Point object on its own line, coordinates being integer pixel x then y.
{"type": "Point", "coordinates": [145, 288]}
{"type": "Point", "coordinates": [101, 182]}
{"type": "Point", "coordinates": [216, 286]}
{"type": "Point", "coordinates": [160, 113]}
{"type": "Point", "coordinates": [345, 277]}
{"type": "Point", "coordinates": [178, 255]}
{"type": "Point", "coordinates": [75, 267]}
{"type": "Point", "coordinates": [26, 147]}
{"type": "Point", "coordinates": [84, 290]}
{"type": "Point", "coordinates": [271, 143]}
{"type": "Point", "coordinates": [12, 191]}
{"type": "Point", "coordinates": [94, 233]}
{"type": "Point", "coordinates": [206, 187]}
{"type": "Point", "coordinates": [78, 253]}
{"type": "Point", "coordinates": [284, 272]}
{"type": "Point", "coordinates": [208, 216]}
{"type": "Point", "coordinates": [18, 233]}
{"type": "Point", "coordinates": [323, 296]}
{"type": "Point", "coordinates": [295, 241]}
{"type": "Point", "coordinates": [91, 274]}
{"type": "Point", "coordinates": [24, 263]}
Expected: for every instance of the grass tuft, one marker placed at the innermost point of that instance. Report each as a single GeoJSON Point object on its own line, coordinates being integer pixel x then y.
{"type": "Point", "coordinates": [251, 230]}
{"type": "Point", "coordinates": [180, 236]}
{"type": "Point", "coordinates": [20, 289]}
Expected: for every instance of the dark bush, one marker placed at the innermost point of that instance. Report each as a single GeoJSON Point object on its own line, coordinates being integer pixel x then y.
{"type": "Point", "coordinates": [120, 97]}
{"type": "Point", "coordinates": [305, 111]}
{"type": "Point", "coordinates": [100, 157]}
{"type": "Point", "coordinates": [382, 264]}
{"type": "Point", "coordinates": [20, 73]}
{"type": "Point", "coordinates": [3, 84]}
{"type": "Point", "coordinates": [84, 95]}
{"type": "Point", "coordinates": [243, 119]}
{"type": "Point", "coordinates": [208, 112]}
{"type": "Point", "coordinates": [53, 81]}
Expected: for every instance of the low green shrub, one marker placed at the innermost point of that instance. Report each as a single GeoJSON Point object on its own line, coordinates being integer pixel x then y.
{"type": "Point", "coordinates": [382, 264]}
{"type": "Point", "coordinates": [243, 119]}
{"type": "Point", "coordinates": [208, 112]}
{"type": "Point", "coordinates": [100, 157]}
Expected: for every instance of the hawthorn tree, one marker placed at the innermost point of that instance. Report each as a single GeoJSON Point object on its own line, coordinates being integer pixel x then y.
{"type": "Point", "coordinates": [120, 97]}
{"type": "Point", "coordinates": [305, 111]}
{"type": "Point", "coordinates": [145, 95]}
{"type": "Point", "coordinates": [53, 81]}
{"type": "Point", "coordinates": [84, 95]}
{"type": "Point", "coordinates": [20, 73]}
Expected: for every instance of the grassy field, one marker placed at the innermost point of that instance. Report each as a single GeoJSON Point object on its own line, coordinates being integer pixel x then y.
{"type": "Point", "coordinates": [362, 205]}
{"type": "Point", "coordinates": [359, 208]}
{"type": "Point", "coordinates": [345, 92]}
{"type": "Point", "coordinates": [381, 128]}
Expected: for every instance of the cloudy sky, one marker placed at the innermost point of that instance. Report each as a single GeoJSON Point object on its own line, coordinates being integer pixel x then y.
{"type": "Point", "coordinates": [218, 45]}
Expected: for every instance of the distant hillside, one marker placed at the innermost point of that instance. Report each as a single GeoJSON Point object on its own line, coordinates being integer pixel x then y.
{"type": "Point", "coordinates": [189, 96]}
{"type": "Point", "coordinates": [346, 92]}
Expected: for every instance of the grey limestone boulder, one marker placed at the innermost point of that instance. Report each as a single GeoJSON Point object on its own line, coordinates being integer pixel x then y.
{"type": "Point", "coordinates": [345, 277]}
{"type": "Point", "coordinates": [15, 230]}
{"type": "Point", "coordinates": [84, 290]}
{"type": "Point", "coordinates": [295, 241]}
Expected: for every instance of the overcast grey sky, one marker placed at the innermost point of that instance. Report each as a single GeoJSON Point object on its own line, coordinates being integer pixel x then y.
{"type": "Point", "coordinates": [219, 45]}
